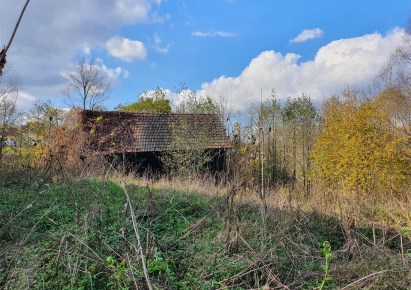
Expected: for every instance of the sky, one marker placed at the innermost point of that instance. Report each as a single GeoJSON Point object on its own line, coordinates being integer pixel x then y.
{"type": "Point", "coordinates": [234, 49]}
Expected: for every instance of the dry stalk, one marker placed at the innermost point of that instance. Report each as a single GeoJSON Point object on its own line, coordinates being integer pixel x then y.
{"type": "Point", "coordinates": [132, 274]}
{"type": "Point", "coordinates": [140, 248]}
{"type": "Point", "coordinates": [232, 193]}
{"type": "Point", "coordinates": [253, 267]}
{"type": "Point", "coordinates": [359, 282]}
{"type": "Point", "coordinates": [228, 222]}
{"type": "Point", "coordinates": [84, 244]}
{"type": "Point", "coordinates": [30, 205]}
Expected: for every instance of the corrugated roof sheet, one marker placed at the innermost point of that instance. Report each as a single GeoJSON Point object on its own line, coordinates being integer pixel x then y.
{"type": "Point", "coordinates": [115, 132]}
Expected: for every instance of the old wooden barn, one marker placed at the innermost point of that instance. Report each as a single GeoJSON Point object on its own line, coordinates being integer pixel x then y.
{"type": "Point", "coordinates": [142, 139]}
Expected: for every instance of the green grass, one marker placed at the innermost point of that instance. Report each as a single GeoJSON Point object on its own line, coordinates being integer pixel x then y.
{"type": "Point", "coordinates": [80, 236]}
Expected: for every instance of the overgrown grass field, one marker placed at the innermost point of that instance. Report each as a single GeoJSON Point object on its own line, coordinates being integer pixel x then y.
{"type": "Point", "coordinates": [81, 236]}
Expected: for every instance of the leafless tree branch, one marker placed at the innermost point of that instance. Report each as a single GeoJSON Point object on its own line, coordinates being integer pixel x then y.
{"type": "Point", "coordinates": [87, 85]}
{"type": "Point", "coordinates": [4, 51]}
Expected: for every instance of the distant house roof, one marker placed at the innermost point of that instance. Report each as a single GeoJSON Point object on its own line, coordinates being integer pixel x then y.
{"type": "Point", "coordinates": [117, 132]}
{"type": "Point", "coordinates": [9, 132]}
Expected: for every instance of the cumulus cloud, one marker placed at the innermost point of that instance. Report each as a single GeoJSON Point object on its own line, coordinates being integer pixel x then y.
{"type": "Point", "coordinates": [52, 32]}
{"type": "Point", "coordinates": [213, 34]}
{"type": "Point", "coordinates": [354, 61]}
{"type": "Point", "coordinates": [307, 34]}
{"type": "Point", "coordinates": [126, 49]}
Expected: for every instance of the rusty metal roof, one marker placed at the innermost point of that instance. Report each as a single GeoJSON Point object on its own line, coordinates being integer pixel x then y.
{"type": "Point", "coordinates": [116, 132]}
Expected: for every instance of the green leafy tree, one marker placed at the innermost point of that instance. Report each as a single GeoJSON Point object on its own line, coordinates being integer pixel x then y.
{"type": "Point", "coordinates": [191, 155]}
{"type": "Point", "coordinates": [301, 120]}
{"type": "Point", "coordinates": [154, 103]}
{"type": "Point", "coordinates": [43, 118]}
{"type": "Point", "coordinates": [278, 139]}
{"type": "Point", "coordinates": [187, 156]}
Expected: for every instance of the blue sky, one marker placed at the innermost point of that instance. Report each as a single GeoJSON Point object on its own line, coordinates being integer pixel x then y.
{"type": "Point", "coordinates": [229, 48]}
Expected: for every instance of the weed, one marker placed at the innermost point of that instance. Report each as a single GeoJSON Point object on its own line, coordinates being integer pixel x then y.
{"type": "Point", "coordinates": [326, 251]}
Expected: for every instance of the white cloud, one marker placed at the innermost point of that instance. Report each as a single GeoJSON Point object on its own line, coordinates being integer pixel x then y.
{"type": "Point", "coordinates": [126, 49]}
{"type": "Point", "coordinates": [112, 73]}
{"type": "Point", "coordinates": [213, 33]}
{"type": "Point", "coordinates": [157, 44]}
{"type": "Point", "coordinates": [354, 61]}
{"type": "Point", "coordinates": [87, 50]}
{"type": "Point", "coordinates": [24, 100]}
{"type": "Point", "coordinates": [52, 32]}
{"type": "Point", "coordinates": [129, 11]}
{"type": "Point", "coordinates": [307, 34]}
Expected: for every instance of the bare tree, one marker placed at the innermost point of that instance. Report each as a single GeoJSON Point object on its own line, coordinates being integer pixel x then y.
{"type": "Point", "coordinates": [87, 85]}
{"type": "Point", "coordinates": [395, 81]}
{"type": "Point", "coordinates": [9, 89]}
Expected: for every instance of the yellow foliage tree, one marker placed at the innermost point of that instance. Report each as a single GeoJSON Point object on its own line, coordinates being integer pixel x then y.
{"type": "Point", "coordinates": [359, 150]}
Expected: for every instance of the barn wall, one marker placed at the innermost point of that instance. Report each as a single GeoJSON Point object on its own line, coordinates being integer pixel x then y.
{"type": "Point", "coordinates": [150, 162]}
